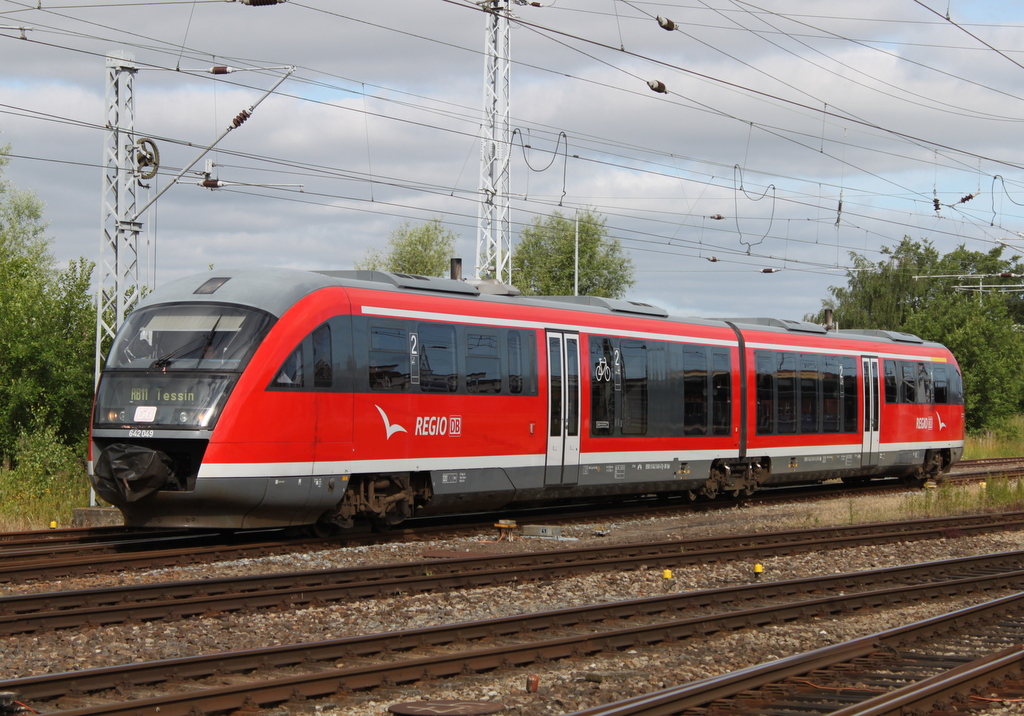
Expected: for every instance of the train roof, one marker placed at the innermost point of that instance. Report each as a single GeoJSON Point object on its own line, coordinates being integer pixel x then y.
{"type": "Point", "coordinates": [275, 290]}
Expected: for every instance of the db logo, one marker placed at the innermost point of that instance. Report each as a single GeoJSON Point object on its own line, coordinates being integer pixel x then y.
{"type": "Point", "coordinates": [439, 425]}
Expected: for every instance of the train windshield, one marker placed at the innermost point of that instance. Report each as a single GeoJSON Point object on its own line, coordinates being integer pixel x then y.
{"type": "Point", "coordinates": [155, 399]}
{"type": "Point", "coordinates": [189, 337]}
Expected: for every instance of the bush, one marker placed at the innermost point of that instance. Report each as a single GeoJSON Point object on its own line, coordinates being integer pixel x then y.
{"type": "Point", "coordinates": [46, 481]}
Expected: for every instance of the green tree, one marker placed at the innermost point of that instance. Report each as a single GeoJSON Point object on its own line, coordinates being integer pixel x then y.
{"type": "Point", "coordinates": [423, 250]}
{"type": "Point", "coordinates": [978, 328]}
{"type": "Point", "coordinates": [47, 329]}
{"type": "Point", "coordinates": [544, 262]}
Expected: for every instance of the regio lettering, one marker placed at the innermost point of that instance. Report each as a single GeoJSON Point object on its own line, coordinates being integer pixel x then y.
{"type": "Point", "coordinates": [439, 425]}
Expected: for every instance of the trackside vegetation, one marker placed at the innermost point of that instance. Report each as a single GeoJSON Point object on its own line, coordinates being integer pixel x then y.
{"type": "Point", "coordinates": [917, 290]}
{"type": "Point", "coordinates": [994, 495]}
{"type": "Point", "coordinates": [47, 335]}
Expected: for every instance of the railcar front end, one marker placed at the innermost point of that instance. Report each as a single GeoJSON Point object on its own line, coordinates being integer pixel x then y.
{"type": "Point", "coordinates": [166, 391]}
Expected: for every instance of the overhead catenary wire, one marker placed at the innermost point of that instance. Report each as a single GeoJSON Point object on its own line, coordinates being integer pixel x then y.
{"type": "Point", "coordinates": [748, 169]}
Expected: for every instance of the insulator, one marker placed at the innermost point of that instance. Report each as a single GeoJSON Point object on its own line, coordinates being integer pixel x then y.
{"type": "Point", "coordinates": [221, 70]}
{"type": "Point", "coordinates": [258, 3]}
{"type": "Point", "coordinates": [935, 201]}
{"type": "Point", "coordinates": [1006, 274]}
{"type": "Point", "coordinates": [666, 23]}
{"type": "Point", "coordinates": [716, 217]}
{"type": "Point", "coordinates": [966, 199]}
{"type": "Point", "coordinates": [240, 118]}
{"type": "Point", "coordinates": [211, 183]}
{"type": "Point", "coordinates": [712, 259]}
{"type": "Point", "coordinates": [770, 270]}
{"type": "Point", "coordinates": [657, 86]}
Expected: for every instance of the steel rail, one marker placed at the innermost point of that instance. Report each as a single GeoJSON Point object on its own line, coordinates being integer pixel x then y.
{"type": "Point", "coordinates": [675, 700]}
{"type": "Point", "coordinates": [47, 553]}
{"type": "Point", "coordinates": [513, 654]}
{"type": "Point", "coordinates": [82, 535]}
{"type": "Point", "coordinates": [942, 688]}
{"type": "Point", "coordinates": [49, 610]}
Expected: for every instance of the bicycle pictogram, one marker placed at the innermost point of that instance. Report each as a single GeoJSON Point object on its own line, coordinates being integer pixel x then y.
{"type": "Point", "coordinates": [602, 371]}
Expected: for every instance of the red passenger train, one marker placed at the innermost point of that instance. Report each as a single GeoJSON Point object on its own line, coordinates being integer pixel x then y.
{"type": "Point", "coordinates": [271, 397]}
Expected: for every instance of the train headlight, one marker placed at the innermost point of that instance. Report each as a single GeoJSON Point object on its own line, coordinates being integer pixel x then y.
{"type": "Point", "coordinates": [182, 417]}
{"type": "Point", "coordinates": [115, 416]}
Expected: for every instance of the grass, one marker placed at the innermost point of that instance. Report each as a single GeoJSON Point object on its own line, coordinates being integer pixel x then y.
{"type": "Point", "coordinates": [994, 495]}
{"type": "Point", "coordinates": [45, 484]}
{"type": "Point", "coordinates": [1006, 440]}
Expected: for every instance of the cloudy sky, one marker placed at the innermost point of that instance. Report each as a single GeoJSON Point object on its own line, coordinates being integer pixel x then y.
{"type": "Point", "coordinates": [789, 135]}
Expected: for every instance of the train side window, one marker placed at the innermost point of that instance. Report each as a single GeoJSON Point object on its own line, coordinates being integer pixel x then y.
{"type": "Point", "coordinates": [831, 395]}
{"type": "Point", "coordinates": [603, 365]}
{"type": "Point", "coordinates": [721, 395]}
{"type": "Point", "coordinates": [438, 370]}
{"type": "Point", "coordinates": [572, 384]}
{"type": "Point", "coordinates": [765, 393]}
{"type": "Point", "coordinates": [785, 378]}
{"type": "Point", "coordinates": [908, 383]}
{"type": "Point", "coordinates": [956, 386]}
{"type": "Point", "coordinates": [515, 363]}
{"type": "Point", "coordinates": [925, 389]}
{"type": "Point", "coordinates": [810, 387]}
{"type": "Point", "coordinates": [483, 363]}
{"type": "Point", "coordinates": [940, 382]}
{"type": "Point", "coordinates": [522, 362]}
{"type": "Point", "coordinates": [389, 358]}
{"type": "Point", "coordinates": [634, 387]}
{"type": "Point", "coordinates": [695, 390]}
{"type": "Point", "coordinates": [891, 382]}
{"type": "Point", "coordinates": [323, 371]}
{"type": "Point", "coordinates": [555, 383]}
{"type": "Point", "coordinates": [292, 373]}
{"type": "Point", "coordinates": [848, 368]}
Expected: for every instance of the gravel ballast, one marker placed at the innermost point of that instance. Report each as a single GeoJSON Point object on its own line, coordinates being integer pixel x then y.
{"type": "Point", "coordinates": [565, 686]}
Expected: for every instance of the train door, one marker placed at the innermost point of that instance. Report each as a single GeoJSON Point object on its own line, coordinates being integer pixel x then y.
{"type": "Point", "coordinates": [869, 452]}
{"type": "Point", "coordinates": [563, 459]}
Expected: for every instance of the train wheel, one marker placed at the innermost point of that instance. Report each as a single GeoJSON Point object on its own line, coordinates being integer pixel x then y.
{"type": "Point", "coordinates": [708, 491]}
{"type": "Point", "coordinates": [933, 466]}
{"type": "Point", "coordinates": [324, 529]}
{"type": "Point", "coordinates": [399, 512]}
{"type": "Point", "coordinates": [914, 479]}
{"type": "Point", "coordinates": [743, 493]}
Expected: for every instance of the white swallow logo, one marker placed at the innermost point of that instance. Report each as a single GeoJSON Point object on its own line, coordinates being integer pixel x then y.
{"type": "Point", "coordinates": [391, 429]}
{"type": "Point", "coordinates": [939, 418]}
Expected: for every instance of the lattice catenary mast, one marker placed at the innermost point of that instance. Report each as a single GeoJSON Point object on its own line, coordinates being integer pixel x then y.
{"type": "Point", "coordinates": [493, 240]}
{"type": "Point", "coordinates": [118, 287]}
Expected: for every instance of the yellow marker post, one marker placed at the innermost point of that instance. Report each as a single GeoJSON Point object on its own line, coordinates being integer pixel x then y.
{"type": "Point", "coordinates": [758, 571]}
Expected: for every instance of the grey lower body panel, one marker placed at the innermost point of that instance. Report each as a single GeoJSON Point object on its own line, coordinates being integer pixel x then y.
{"type": "Point", "coordinates": [240, 503]}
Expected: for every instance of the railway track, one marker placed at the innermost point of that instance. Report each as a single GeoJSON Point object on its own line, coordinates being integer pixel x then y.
{"type": "Point", "coordinates": [29, 613]}
{"type": "Point", "coordinates": [51, 554]}
{"type": "Point", "coordinates": [911, 669]}
{"type": "Point", "coordinates": [401, 657]}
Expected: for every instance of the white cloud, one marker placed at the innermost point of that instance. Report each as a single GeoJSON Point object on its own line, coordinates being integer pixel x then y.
{"type": "Point", "coordinates": [657, 166]}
